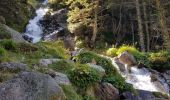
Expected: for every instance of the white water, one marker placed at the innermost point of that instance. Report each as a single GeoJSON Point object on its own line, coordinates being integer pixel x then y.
{"type": "Point", "coordinates": [34, 29]}
{"type": "Point", "coordinates": [141, 79]}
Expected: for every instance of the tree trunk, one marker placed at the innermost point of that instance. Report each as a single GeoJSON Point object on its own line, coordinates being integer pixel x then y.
{"type": "Point", "coordinates": [95, 27]}
{"type": "Point", "coordinates": [140, 28]}
{"type": "Point", "coordinates": [146, 26]}
{"type": "Point", "coordinates": [162, 24]}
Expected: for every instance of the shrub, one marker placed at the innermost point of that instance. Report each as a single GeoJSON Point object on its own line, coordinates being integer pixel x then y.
{"type": "Point", "coordinates": [2, 52]}
{"type": "Point", "coordinates": [83, 76]}
{"type": "Point", "coordinates": [55, 48]}
{"type": "Point", "coordinates": [62, 66]}
{"type": "Point", "coordinates": [127, 48]}
{"type": "Point", "coordinates": [70, 93]}
{"type": "Point", "coordinates": [111, 52]}
{"type": "Point", "coordinates": [119, 83]}
{"type": "Point", "coordinates": [8, 44]}
{"type": "Point", "coordinates": [160, 61]}
{"type": "Point", "coordinates": [87, 57]}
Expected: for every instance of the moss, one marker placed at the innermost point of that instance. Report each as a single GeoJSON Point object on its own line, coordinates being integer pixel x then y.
{"type": "Point", "coordinates": [160, 95]}
{"type": "Point", "coordinates": [70, 93]}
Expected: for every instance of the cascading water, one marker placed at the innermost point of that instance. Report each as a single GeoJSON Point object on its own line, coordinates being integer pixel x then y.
{"type": "Point", "coordinates": [34, 29]}
{"type": "Point", "coordinates": [141, 79]}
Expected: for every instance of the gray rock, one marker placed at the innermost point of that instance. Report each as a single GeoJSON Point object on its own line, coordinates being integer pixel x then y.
{"type": "Point", "coordinates": [119, 64]}
{"type": "Point", "coordinates": [46, 62]}
{"type": "Point", "coordinates": [61, 79]}
{"type": "Point", "coordinates": [11, 66]}
{"type": "Point", "coordinates": [97, 68]}
{"type": "Point", "coordinates": [142, 95]}
{"type": "Point", "coordinates": [127, 58]}
{"type": "Point", "coordinates": [31, 86]}
{"type": "Point", "coordinates": [16, 36]}
{"type": "Point", "coordinates": [106, 91]}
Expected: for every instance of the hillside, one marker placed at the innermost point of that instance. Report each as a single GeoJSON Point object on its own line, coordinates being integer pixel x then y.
{"type": "Point", "coordinates": [84, 50]}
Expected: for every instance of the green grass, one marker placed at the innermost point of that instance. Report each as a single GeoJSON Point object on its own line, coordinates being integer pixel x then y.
{"type": "Point", "coordinates": [70, 93]}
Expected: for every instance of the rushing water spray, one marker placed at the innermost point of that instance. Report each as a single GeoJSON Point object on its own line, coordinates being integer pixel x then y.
{"type": "Point", "coordinates": [141, 79]}
{"type": "Point", "coordinates": [34, 29]}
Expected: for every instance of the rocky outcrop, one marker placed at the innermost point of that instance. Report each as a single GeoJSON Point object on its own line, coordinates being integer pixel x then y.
{"type": "Point", "coordinates": [120, 66]}
{"type": "Point", "coordinates": [55, 21]}
{"type": "Point", "coordinates": [127, 58]}
{"type": "Point", "coordinates": [31, 86]}
{"type": "Point", "coordinates": [99, 69]}
{"type": "Point", "coordinates": [106, 91]}
{"type": "Point", "coordinates": [12, 67]}
{"type": "Point", "coordinates": [16, 36]}
{"type": "Point", "coordinates": [46, 62]}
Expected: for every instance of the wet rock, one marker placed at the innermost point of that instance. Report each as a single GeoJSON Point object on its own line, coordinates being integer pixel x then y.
{"type": "Point", "coordinates": [99, 69]}
{"type": "Point", "coordinates": [119, 64]}
{"type": "Point", "coordinates": [13, 67]}
{"type": "Point", "coordinates": [106, 91]}
{"type": "Point", "coordinates": [46, 62]}
{"type": "Point", "coordinates": [31, 86]}
{"type": "Point", "coordinates": [167, 76]}
{"type": "Point", "coordinates": [27, 38]}
{"type": "Point", "coordinates": [142, 95]}
{"type": "Point", "coordinates": [127, 58]}
{"type": "Point", "coordinates": [54, 21]}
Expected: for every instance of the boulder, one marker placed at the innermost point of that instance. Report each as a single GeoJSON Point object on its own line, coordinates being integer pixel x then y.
{"type": "Point", "coordinates": [62, 79]}
{"type": "Point", "coordinates": [13, 67]}
{"type": "Point", "coordinates": [16, 36]}
{"type": "Point", "coordinates": [143, 95]}
{"type": "Point", "coordinates": [98, 68]}
{"type": "Point", "coordinates": [127, 58]}
{"type": "Point", "coordinates": [167, 76]}
{"type": "Point", "coordinates": [119, 64]}
{"type": "Point", "coordinates": [31, 86]}
{"type": "Point", "coordinates": [46, 62]}
{"type": "Point", "coordinates": [106, 91]}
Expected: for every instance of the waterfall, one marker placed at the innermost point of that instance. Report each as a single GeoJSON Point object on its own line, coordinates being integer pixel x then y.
{"type": "Point", "coordinates": [34, 30]}
{"type": "Point", "coordinates": [141, 79]}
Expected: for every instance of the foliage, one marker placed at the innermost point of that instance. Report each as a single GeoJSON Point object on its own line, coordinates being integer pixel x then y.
{"type": "Point", "coordinates": [54, 48]}
{"type": "Point", "coordinates": [118, 82]}
{"type": "Point", "coordinates": [8, 44]}
{"type": "Point", "coordinates": [160, 95]}
{"type": "Point", "coordinates": [111, 52]}
{"type": "Point", "coordinates": [2, 52]}
{"type": "Point", "coordinates": [62, 66]}
{"type": "Point", "coordinates": [160, 61]}
{"type": "Point", "coordinates": [87, 57]}
{"type": "Point", "coordinates": [26, 47]}
{"type": "Point", "coordinates": [127, 48]}
{"type": "Point", "coordinates": [70, 92]}
{"type": "Point", "coordinates": [83, 76]}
